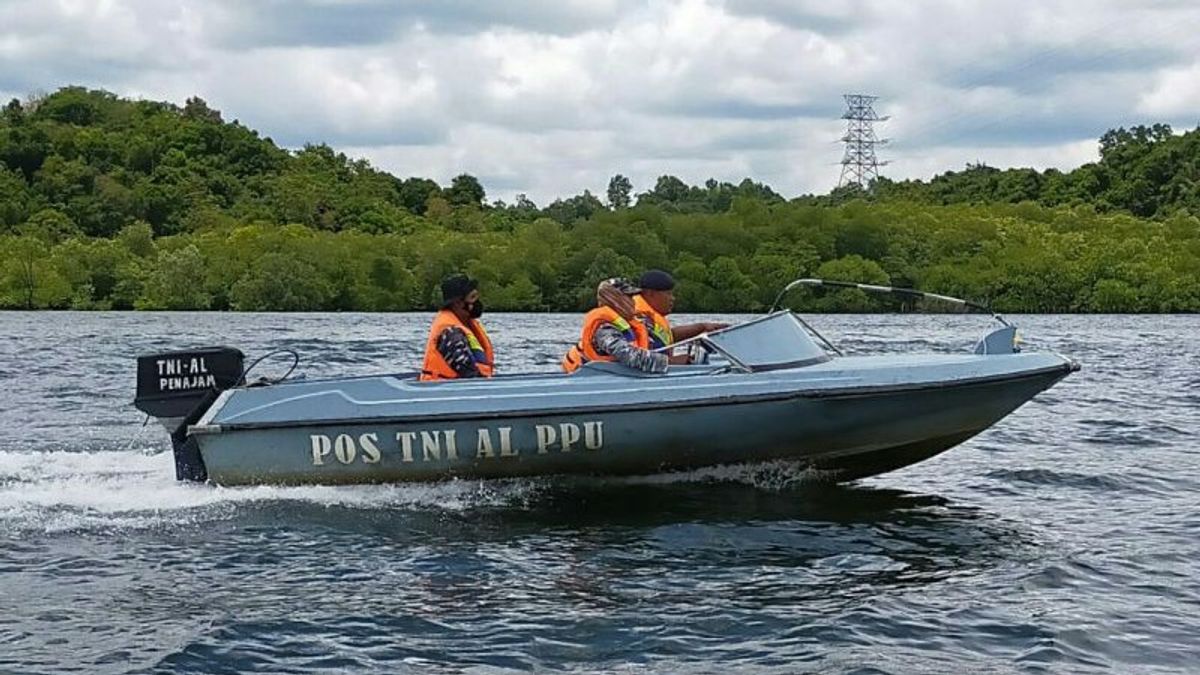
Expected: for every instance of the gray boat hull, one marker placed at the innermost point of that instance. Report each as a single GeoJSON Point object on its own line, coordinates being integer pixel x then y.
{"type": "Point", "coordinates": [853, 428]}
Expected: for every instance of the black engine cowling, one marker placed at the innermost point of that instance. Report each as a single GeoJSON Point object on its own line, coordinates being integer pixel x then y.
{"type": "Point", "coordinates": [173, 384]}
{"type": "Point", "coordinates": [178, 387]}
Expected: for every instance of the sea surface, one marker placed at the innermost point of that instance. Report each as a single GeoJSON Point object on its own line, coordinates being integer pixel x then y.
{"type": "Point", "coordinates": [1066, 539]}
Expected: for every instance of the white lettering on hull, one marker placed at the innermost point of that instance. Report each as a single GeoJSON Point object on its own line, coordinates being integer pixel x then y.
{"type": "Point", "coordinates": [506, 448]}
{"type": "Point", "coordinates": [570, 435]}
{"type": "Point", "coordinates": [344, 448]}
{"type": "Point", "coordinates": [593, 435]}
{"type": "Point", "coordinates": [321, 447]}
{"type": "Point", "coordinates": [370, 448]}
{"type": "Point", "coordinates": [406, 444]}
{"type": "Point", "coordinates": [546, 436]}
{"type": "Point", "coordinates": [441, 445]}
{"type": "Point", "coordinates": [483, 446]}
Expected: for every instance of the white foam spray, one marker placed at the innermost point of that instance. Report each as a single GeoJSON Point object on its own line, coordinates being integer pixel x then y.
{"type": "Point", "coordinates": [54, 491]}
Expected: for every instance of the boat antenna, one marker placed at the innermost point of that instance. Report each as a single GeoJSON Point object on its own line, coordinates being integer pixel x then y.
{"type": "Point", "coordinates": [872, 288]}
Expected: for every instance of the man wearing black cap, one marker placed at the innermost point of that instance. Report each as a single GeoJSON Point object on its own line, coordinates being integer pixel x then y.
{"type": "Point", "coordinates": [458, 346]}
{"type": "Point", "coordinates": [610, 333]}
{"type": "Point", "coordinates": [652, 306]}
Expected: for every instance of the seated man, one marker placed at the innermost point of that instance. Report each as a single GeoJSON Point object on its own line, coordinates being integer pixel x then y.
{"type": "Point", "coordinates": [653, 303]}
{"type": "Point", "coordinates": [611, 334]}
{"type": "Point", "coordinates": [458, 347]}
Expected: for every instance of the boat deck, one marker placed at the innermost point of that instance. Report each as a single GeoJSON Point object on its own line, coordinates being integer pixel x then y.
{"type": "Point", "coordinates": [603, 386]}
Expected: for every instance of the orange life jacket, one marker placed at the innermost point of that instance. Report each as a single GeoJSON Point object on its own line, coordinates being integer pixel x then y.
{"type": "Point", "coordinates": [584, 351]}
{"type": "Point", "coordinates": [435, 366]}
{"type": "Point", "coordinates": [657, 326]}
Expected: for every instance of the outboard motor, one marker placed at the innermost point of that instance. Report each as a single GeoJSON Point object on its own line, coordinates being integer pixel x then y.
{"type": "Point", "coordinates": [178, 387]}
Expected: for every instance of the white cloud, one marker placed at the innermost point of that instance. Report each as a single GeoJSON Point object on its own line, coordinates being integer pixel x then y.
{"type": "Point", "coordinates": [1176, 93]}
{"type": "Point", "coordinates": [550, 99]}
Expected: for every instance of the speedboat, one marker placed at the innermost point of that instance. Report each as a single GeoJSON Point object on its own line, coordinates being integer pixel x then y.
{"type": "Point", "coordinates": [771, 388]}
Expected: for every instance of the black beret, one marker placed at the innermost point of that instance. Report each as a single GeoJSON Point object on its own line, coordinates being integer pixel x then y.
{"type": "Point", "coordinates": [657, 280]}
{"type": "Point", "coordinates": [457, 286]}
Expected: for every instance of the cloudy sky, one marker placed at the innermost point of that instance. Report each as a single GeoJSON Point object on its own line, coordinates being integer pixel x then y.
{"type": "Point", "coordinates": [550, 98]}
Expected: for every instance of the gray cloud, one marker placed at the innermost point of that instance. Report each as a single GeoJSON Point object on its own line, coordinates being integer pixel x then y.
{"type": "Point", "coordinates": [753, 140]}
{"type": "Point", "coordinates": [566, 17]}
{"type": "Point", "coordinates": [1081, 108]}
{"type": "Point", "coordinates": [733, 108]}
{"type": "Point", "coordinates": [1036, 71]}
{"type": "Point", "coordinates": [281, 23]}
{"type": "Point", "coordinates": [295, 23]}
{"type": "Point", "coordinates": [818, 17]}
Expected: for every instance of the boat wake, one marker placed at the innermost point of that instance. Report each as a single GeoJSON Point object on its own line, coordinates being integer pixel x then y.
{"type": "Point", "coordinates": [55, 491]}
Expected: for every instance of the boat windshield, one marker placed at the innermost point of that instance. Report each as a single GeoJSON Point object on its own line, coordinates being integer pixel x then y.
{"type": "Point", "coordinates": [778, 340]}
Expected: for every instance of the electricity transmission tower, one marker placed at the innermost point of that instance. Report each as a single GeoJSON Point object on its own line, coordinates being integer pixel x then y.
{"type": "Point", "coordinates": [859, 164]}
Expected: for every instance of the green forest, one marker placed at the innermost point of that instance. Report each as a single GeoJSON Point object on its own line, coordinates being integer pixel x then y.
{"type": "Point", "coordinates": [108, 203]}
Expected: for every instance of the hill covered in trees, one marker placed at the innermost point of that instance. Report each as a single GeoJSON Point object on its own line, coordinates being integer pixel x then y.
{"type": "Point", "coordinates": [111, 203]}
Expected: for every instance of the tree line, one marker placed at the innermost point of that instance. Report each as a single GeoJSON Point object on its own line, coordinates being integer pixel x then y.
{"type": "Point", "coordinates": [107, 203]}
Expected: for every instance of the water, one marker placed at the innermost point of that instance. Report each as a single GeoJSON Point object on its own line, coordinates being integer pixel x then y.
{"type": "Point", "coordinates": [1063, 540]}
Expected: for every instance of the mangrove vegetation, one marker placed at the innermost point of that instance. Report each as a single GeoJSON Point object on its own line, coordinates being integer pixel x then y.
{"type": "Point", "coordinates": [108, 203]}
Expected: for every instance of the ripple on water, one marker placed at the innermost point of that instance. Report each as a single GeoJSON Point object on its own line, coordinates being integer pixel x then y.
{"type": "Point", "coordinates": [1062, 540]}
{"type": "Point", "coordinates": [1066, 479]}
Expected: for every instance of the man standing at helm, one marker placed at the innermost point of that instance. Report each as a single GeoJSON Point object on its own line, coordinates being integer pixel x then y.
{"type": "Point", "coordinates": [458, 347]}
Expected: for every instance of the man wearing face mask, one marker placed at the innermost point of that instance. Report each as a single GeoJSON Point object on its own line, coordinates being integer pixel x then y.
{"type": "Point", "coordinates": [458, 347]}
